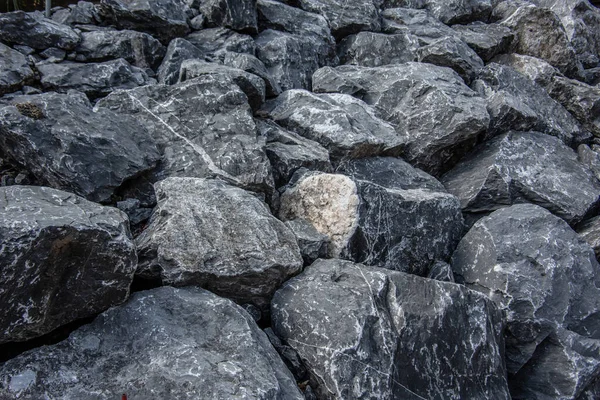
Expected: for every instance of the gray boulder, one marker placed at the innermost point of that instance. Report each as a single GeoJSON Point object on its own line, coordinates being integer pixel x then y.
{"type": "Point", "coordinates": [312, 243]}
{"type": "Point", "coordinates": [35, 31]}
{"type": "Point", "coordinates": [580, 99]}
{"type": "Point", "coordinates": [370, 49]}
{"type": "Point", "coordinates": [82, 13]}
{"type": "Point", "coordinates": [63, 258]}
{"type": "Point", "coordinates": [590, 158]}
{"type": "Point", "coordinates": [452, 53]}
{"type": "Point", "coordinates": [239, 15]}
{"type": "Point", "coordinates": [382, 212]}
{"type": "Point", "coordinates": [590, 232]}
{"type": "Point", "coordinates": [455, 115]}
{"type": "Point", "coordinates": [15, 70]}
{"type": "Point", "coordinates": [178, 51]}
{"type": "Point", "coordinates": [363, 334]}
{"type": "Point", "coordinates": [535, 69]}
{"type": "Point", "coordinates": [65, 144]}
{"type": "Point", "coordinates": [93, 79]}
{"type": "Point", "coordinates": [253, 65]}
{"type": "Point", "coordinates": [140, 49]}
{"type": "Point", "coordinates": [524, 167]}
{"type": "Point", "coordinates": [450, 11]}
{"type": "Point", "coordinates": [420, 23]}
{"type": "Point", "coordinates": [487, 40]}
{"type": "Point", "coordinates": [345, 126]}
{"type": "Point", "coordinates": [212, 41]}
{"type": "Point", "coordinates": [218, 237]}
{"type": "Point", "coordinates": [164, 343]}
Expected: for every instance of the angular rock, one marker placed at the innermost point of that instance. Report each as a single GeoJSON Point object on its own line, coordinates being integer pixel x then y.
{"type": "Point", "coordinates": [239, 15]}
{"type": "Point", "coordinates": [487, 40]}
{"type": "Point", "coordinates": [370, 49]}
{"type": "Point", "coordinates": [178, 51]}
{"type": "Point", "coordinates": [61, 141]}
{"type": "Point", "coordinates": [82, 13]}
{"type": "Point", "coordinates": [543, 285]}
{"type": "Point", "coordinates": [15, 71]}
{"type": "Point", "coordinates": [140, 49]}
{"type": "Point", "coordinates": [580, 99]}
{"type": "Point", "coordinates": [345, 126]}
{"type": "Point", "coordinates": [63, 258]}
{"type": "Point", "coordinates": [288, 152]}
{"type": "Point", "coordinates": [420, 23]}
{"type": "Point", "coordinates": [590, 158]}
{"type": "Point", "coordinates": [93, 79]}
{"type": "Point", "coordinates": [590, 232]}
{"type": "Point", "coordinates": [441, 271]}
{"type": "Point", "coordinates": [452, 53]}
{"type": "Point", "coordinates": [203, 126]}
{"type": "Point", "coordinates": [218, 237]}
{"type": "Point", "coordinates": [455, 115]}
{"type": "Point", "coordinates": [54, 54]}
{"type": "Point", "coordinates": [290, 358]}
{"type": "Point", "coordinates": [253, 65]}
{"type": "Point", "coordinates": [33, 30]}
{"type": "Point", "coordinates": [312, 244]}
{"type": "Point", "coordinates": [211, 41]}
{"type": "Point", "coordinates": [376, 217]}
{"type": "Point", "coordinates": [362, 334]}
{"type": "Point", "coordinates": [163, 19]}
{"type": "Point", "coordinates": [524, 167]}
{"type": "Point", "coordinates": [167, 342]}
{"type": "Point", "coordinates": [535, 69]}
{"type": "Point", "coordinates": [459, 11]}
{"type": "Point", "coordinates": [515, 102]}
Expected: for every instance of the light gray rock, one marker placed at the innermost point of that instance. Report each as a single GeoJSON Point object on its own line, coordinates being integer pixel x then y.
{"type": "Point", "coordinates": [63, 258]}
{"type": "Point", "coordinates": [219, 237]}
{"type": "Point", "coordinates": [580, 99]}
{"type": "Point", "coordinates": [366, 332]}
{"type": "Point", "coordinates": [84, 12]}
{"type": "Point", "coordinates": [455, 117]}
{"type": "Point", "coordinates": [167, 342]}
{"type": "Point", "coordinates": [452, 53]}
{"type": "Point", "coordinates": [211, 41]}
{"type": "Point", "coordinates": [197, 23]}
{"type": "Point", "coordinates": [487, 40]}
{"type": "Point", "coordinates": [370, 49]}
{"type": "Point", "coordinates": [345, 126]}
{"type": "Point", "coordinates": [455, 11]}
{"type": "Point", "coordinates": [590, 232]}
{"type": "Point", "coordinates": [35, 31]}
{"type": "Point", "coordinates": [15, 70]}
{"type": "Point", "coordinates": [239, 15]}
{"type": "Point", "coordinates": [61, 141]}
{"type": "Point", "coordinates": [253, 65]}
{"type": "Point", "coordinates": [589, 158]}
{"type": "Point", "coordinates": [312, 243]}
{"type": "Point", "coordinates": [524, 167]}
{"type": "Point", "coordinates": [178, 51]}
{"type": "Point", "coordinates": [535, 69]}
{"type": "Point", "coordinates": [420, 23]}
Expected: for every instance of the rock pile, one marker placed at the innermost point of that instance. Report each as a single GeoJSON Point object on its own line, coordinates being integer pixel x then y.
{"type": "Point", "coordinates": [310, 199]}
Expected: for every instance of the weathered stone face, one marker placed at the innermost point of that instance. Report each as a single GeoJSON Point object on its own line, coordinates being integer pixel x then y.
{"type": "Point", "coordinates": [35, 31]}
{"type": "Point", "coordinates": [15, 70]}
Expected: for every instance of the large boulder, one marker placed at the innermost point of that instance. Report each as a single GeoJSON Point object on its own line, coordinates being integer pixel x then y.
{"type": "Point", "coordinates": [420, 23]}
{"type": "Point", "coordinates": [253, 65]}
{"type": "Point", "coordinates": [367, 332]}
{"type": "Point", "coordinates": [63, 258]}
{"type": "Point", "coordinates": [524, 167]}
{"type": "Point", "coordinates": [452, 53]}
{"type": "Point", "coordinates": [15, 70]}
{"type": "Point", "coordinates": [178, 51]}
{"type": "Point", "coordinates": [535, 69]}
{"type": "Point", "coordinates": [239, 15]}
{"type": "Point", "coordinates": [65, 144]}
{"type": "Point", "coordinates": [35, 31]}
{"type": "Point", "coordinates": [219, 237]}
{"type": "Point", "coordinates": [214, 40]}
{"type": "Point", "coordinates": [580, 99]}
{"type": "Point", "coordinates": [382, 212]}
{"type": "Point", "coordinates": [370, 49]}
{"type": "Point", "coordinates": [457, 11]}
{"type": "Point", "coordinates": [165, 343]}
{"type": "Point", "coordinates": [455, 117]}
{"type": "Point", "coordinates": [487, 40]}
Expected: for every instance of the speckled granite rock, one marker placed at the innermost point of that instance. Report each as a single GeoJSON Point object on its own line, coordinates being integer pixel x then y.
{"type": "Point", "coordinates": [63, 258]}
{"type": "Point", "coordinates": [35, 31]}
{"type": "Point", "coordinates": [15, 70]}
{"type": "Point", "coordinates": [164, 343]}
{"type": "Point", "coordinates": [362, 333]}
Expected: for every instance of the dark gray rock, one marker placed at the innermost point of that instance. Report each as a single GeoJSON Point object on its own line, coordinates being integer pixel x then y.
{"type": "Point", "coordinates": [53, 54]}
{"type": "Point", "coordinates": [454, 11]}
{"type": "Point", "coordinates": [345, 126]}
{"type": "Point", "coordinates": [290, 357]}
{"type": "Point", "coordinates": [219, 237]}
{"type": "Point", "coordinates": [164, 343]}
{"type": "Point", "coordinates": [239, 15]}
{"type": "Point", "coordinates": [487, 40]}
{"type": "Point", "coordinates": [452, 53]}
{"type": "Point", "coordinates": [211, 41]}
{"type": "Point", "coordinates": [516, 102]}
{"type": "Point", "coordinates": [505, 8]}
{"type": "Point", "coordinates": [420, 23]}
{"type": "Point", "coordinates": [580, 99]}
{"type": "Point", "coordinates": [140, 49]}
{"type": "Point", "coordinates": [134, 211]}
{"type": "Point", "coordinates": [590, 232]}
{"type": "Point", "coordinates": [312, 243]}
{"type": "Point", "coordinates": [15, 71]}
{"type": "Point", "coordinates": [441, 271]}
{"type": "Point", "coordinates": [376, 215]}
{"type": "Point", "coordinates": [362, 334]}
{"type": "Point", "coordinates": [61, 141]}
{"type": "Point", "coordinates": [524, 167]}
{"type": "Point", "coordinates": [93, 79]}
{"type": "Point", "coordinates": [163, 19]}
{"type": "Point", "coordinates": [253, 65]}
{"type": "Point", "coordinates": [370, 49]}
{"type": "Point", "coordinates": [35, 31]}
{"type": "Point", "coordinates": [178, 51]}
{"type": "Point", "coordinates": [288, 152]}
{"type": "Point", "coordinates": [63, 258]}
{"type": "Point", "coordinates": [540, 272]}
{"type": "Point", "coordinates": [82, 13]}
{"type": "Point", "coordinates": [455, 117]}
{"type": "Point", "coordinates": [197, 23]}
{"type": "Point", "coordinates": [535, 69]}
{"type": "Point", "coordinates": [590, 158]}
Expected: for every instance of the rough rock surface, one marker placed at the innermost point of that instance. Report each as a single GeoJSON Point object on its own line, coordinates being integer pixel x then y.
{"type": "Point", "coordinates": [590, 158]}
{"type": "Point", "coordinates": [15, 70]}
{"type": "Point", "coordinates": [455, 116]}
{"type": "Point", "coordinates": [487, 40]}
{"type": "Point", "coordinates": [164, 343]}
{"type": "Point", "coordinates": [362, 334]}
{"type": "Point", "coordinates": [84, 12]}
{"type": "Point", "coordinates": [61, 141]}
{"type": "Point", "coordinates": [212, 41]}
{"type": "Point", "coordinates": [178, 51]}
{"type": "Point", "coordinates": [420, 23]}
{"type": "Point", "coordinates": [441, 271]}
{"type": "Point", "coordinates": [590, 232]}
{"type": "Point", "coordinates": [370, 49]}
{"type": "Point", "coordinates": [452, 11]}
{"type": "Point", "coordinates": [452, 53]}
{"type": "Point", "coordinates": [524, 167]}
{"type": "Point", "coordinates": [312, 243]}
{"type": "Point", "coordinates": [63, 258]}
{"type": "Point", "coordinates": [35, 31]}
{"type": "Point", "coordinates": [239, 15]}
{"type": "Point", "coordinates": [580, 99]}
{"type": "Point", "coordinates": [210, 234]}
{"type": "Point", "coordinates": [535, 69]}
{"type": "Point", "coordinates": [253, 65]}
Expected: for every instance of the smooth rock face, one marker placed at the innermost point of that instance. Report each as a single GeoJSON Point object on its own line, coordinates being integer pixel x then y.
{"type": "Point", "coordinates": [487, 40]}
{"type": "Point", "coordinates": [239, 15]}
{"type": "Point", "coordinates": [420, 23]}
{"type": "Point", "coordinates": [580, 99]}
{"type": "Point", "coordinates": [140, 49]}
{"type": "Point", "coordinates": [345, 126]}
{"type": "Point", "coordinates": [63, 258]}
{"type": "Point", "coordinates": [164, 343]}
{"type": "Point", "coordinates": [35, 31]}
{"type": "Point", "coordinates": [203, 126]}
{"type": "Point", "coordinates": [219, 237]}
{"type": "Point", "coordinates": [590, 232]}
{"type": "Point", "coordinates": [515, 102]}
{"type": "Point", "coordinates": [178, 51]}
{"type": "Point", "coordinates": [452, 53]}
{"type": "Point", "coordinates": [363, 335]}
{"type": "Point", "coordinates": [61, 141]}
{"type": "Point", "coordinates": [524, 167]}
{"type": "Point", "coordinates": [455, 116]}
{"type": "Point", "coordinates": [253, 65]}
{"type": "Point", "coordinates": [15, 70]}
{"type": "Point", "coordinates": [535, 69]}
{"type": "Point", "coordinates": [212, 41]}
{"type": "Point", "coordinates": [93, 79]}
{"type": "Point", "coordinates": [545, 277]}
{"type": "Point", "coordinates": [370, 49]}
